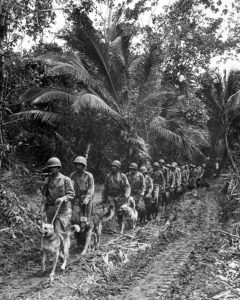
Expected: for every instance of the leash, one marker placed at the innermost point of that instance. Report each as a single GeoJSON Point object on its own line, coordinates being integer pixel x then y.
{"type": "Point", "coordinates": [56, 213]}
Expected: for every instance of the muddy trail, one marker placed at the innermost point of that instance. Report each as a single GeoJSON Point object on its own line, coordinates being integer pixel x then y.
{"type": "Point", "coordinates": [142, 264]}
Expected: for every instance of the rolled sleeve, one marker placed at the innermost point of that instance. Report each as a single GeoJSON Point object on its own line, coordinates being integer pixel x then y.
{"type": "Point", "coordinates": [90, 191]}
{"type": "Point", "coordinates": [69, 190]}
{"type": "Point", "coordinates": [127, 188]}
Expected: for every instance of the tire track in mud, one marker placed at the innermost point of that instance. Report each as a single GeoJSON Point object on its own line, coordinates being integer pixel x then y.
{"type": "Point", "coordinates": [168, 264]}
{"type": "Point", "coordinates": [155, 276]}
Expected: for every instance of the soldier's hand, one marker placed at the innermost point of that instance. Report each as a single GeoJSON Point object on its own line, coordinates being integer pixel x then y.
{"type": "Point", "coordinates": [59, 201]}
{"type": "Point", "coordinates": [86, 200]}
{"type": "Point", "coordinates": [44, 216]}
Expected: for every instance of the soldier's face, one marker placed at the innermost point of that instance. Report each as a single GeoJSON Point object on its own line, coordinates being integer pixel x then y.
{"type": "Point", "coordinates": [133, 171]}
{"type": "Point", "coordinates": [114, 169]}
{"type": "Point", "coordinates": [79, 167]}
{"type": "Point", "coordinates": [53, 170]}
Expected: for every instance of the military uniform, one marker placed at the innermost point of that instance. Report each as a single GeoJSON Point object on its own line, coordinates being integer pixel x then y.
{"type": "Point", "coordinates": [158, 182]}
{"type": "Point", "coordinates": [149, 186]}
{"type": "Point", "coordinates": [138, 187]}
{"type": "Point", "coordinates": [83, 184]}
{"type": "Point", "coordinates": [192, 177]}
{"type": "Point", "coordinates": [165, 172]}
{"type": "Point", "coordinates": [116, 190]}
{"type": "Point", "coordinates": [54, 188]}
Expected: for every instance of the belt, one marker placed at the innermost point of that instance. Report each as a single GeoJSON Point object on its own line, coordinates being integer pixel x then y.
{"type": "Point", "coordinates": [115, 195]}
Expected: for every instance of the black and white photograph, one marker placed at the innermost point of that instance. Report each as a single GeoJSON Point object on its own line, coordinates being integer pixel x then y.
{"type": "Point", "coordinates": [119, 149]}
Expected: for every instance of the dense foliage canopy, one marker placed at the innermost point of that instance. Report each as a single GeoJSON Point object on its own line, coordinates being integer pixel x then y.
{"type": "Point", "coordinates": [132, 80]}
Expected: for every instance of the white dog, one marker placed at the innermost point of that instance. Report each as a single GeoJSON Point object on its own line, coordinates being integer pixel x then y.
{"type": "Point", "coordinates": [128, 213]}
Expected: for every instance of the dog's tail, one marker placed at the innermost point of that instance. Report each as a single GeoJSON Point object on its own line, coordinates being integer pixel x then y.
{"type": "Point", "coordinates": [109, 215]}
{"type": "Point", "coordinates": [132, 203]}
{"type": "Point", "coordinates": [73, 228]}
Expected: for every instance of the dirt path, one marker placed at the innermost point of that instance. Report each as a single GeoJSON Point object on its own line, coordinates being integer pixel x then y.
{"type": "Point", "coordinates": [167, 265]}
{"type": "Point", "coordinates": [148, 276]}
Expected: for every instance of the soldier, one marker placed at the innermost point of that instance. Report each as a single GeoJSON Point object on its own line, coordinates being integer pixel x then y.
{"type": "Point", "coordinates": [148, 182]}
{"type": "Point", "coordinates": [83, 184]}
{"type": "Point", "coordinates": [163, 169]}
{"type": "Point", "coordinates": [184, 175]}
{"type": "Point", "coordinates": [172, 181]}
{"type": "Point", "coordinates": [116, 189]}
{"type": "Point", "coordinates": [57, 191]}
{"type": "Point", "coordinates": [158, 182]}
{"type": "Point", "coordinates": [178, 187]}
{"type": "Point", "coordinates": [148, 192]}
{"type": "Point", "coordinates": [137, 183]}
{"type": "Point", "coordinates": [200, 176]}
{"type": "Point", "coordinates": [178, 175]}
{"type": "Point", "coordinates": [192, 178]}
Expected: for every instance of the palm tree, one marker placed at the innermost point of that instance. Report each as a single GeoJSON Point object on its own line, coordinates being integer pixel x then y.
{"type": "Point", "coordinates": [108, 79]}
{"type": "Point", "coordinates": [221, 95]}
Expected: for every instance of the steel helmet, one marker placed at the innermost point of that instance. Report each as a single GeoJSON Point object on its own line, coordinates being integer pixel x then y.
{"type": "Point", "coordinates": [156, 164]}
{"type": "Point", "coordinates": [133, 166]}
{"type": "Point", "coordinates": [143, 169]}
{"type": "Point", "coordinates": [80, 160]}
{"type": "Point", "coordinates": [161, 161]}
{"type": "Point", "coordinates": [116, 163]}
{"type": "Point", "coordinates": [53, 162]}
{"type": "Point", "coordinates": [173, 165]}
{"type": "Point", "coordinates": [168, 165]}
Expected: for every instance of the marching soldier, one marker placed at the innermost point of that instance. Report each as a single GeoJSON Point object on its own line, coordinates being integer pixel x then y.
{"type": "Point", "coordinates": [158, 182]}
{"type": "Point", "coordinates": [163, 169]}
{"type": "Point", "coordinates": [137, 183]}
{"type": "Point", "coordinates": [116, 189]}
{"type": "Point", "coordinates": [148, 182]}
{"type": "Point", "coordinates": [172, 181]}
{"type": "Point", "coordinates": [83, 184]}
{"type": "Point", "coordinates": [57, 191]}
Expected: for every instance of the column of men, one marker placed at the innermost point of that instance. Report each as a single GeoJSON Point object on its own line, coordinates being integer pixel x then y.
{"type": "Point", "coordinates": [74, 194]}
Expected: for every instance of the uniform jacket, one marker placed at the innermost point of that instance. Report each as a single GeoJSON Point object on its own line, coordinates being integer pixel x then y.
{"type": "Point", "coordinates": [58, 187]}
{"type": "Point", "coordinates": [149, 185]}
{"type": "Point", "coordinates": [158, 178]}
{"type": "Point", "coordinates": [137, 183]}
{"type": "Point", "coordinates": [178, 176]}
{"type": "Point", "coordinates": [165, 172]}
{"type": "Point", "coordinates": [172, 178]}
{"type": "Point", "coordinates": [116, 185]}
{"type": "Point", "coordinates": [83, 184]}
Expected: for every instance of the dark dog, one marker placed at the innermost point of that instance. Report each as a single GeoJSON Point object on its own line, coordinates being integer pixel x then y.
{"type": "Point", "coordinates": [151, 209]}
{"type": "Point", "coordinates": [57, 244]}
{"type": "Point", "coordinates": [88, 228]}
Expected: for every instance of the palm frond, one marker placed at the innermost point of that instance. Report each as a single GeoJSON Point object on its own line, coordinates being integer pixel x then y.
{"type": "Point", "coordinates": [135, 65]}
{"type": "Point", "coordinates": [161, 126]}
{"type": "Point", "coordinates": [65, 146]}
{"type": "Point", "coordinates": [104, 63]}
{"type": "Point", "coordinates": [91, 101]}
{"type": "Point", "coordinates": [39, 115]}
{"type": "Point", "coordinates": [67, 64]}
{"type": "Point", "coordinates": [233, 102]}
{"type": "Point", "coordinates": [31, 94]}
{"type": "Point", "coordinates": [49, 95]}
{"type": "Point", "coordinates": [200, 136]}
{"type": "Point", "coordinates": [71, 58]}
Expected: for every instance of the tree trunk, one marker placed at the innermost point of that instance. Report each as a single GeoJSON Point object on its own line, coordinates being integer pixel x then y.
{"type": "Point", "coordinates": [146, 132]}
{"type": "Point", "coordinates": [228, 151]}
{"type": "Point", "coordinates": [87, 150]}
